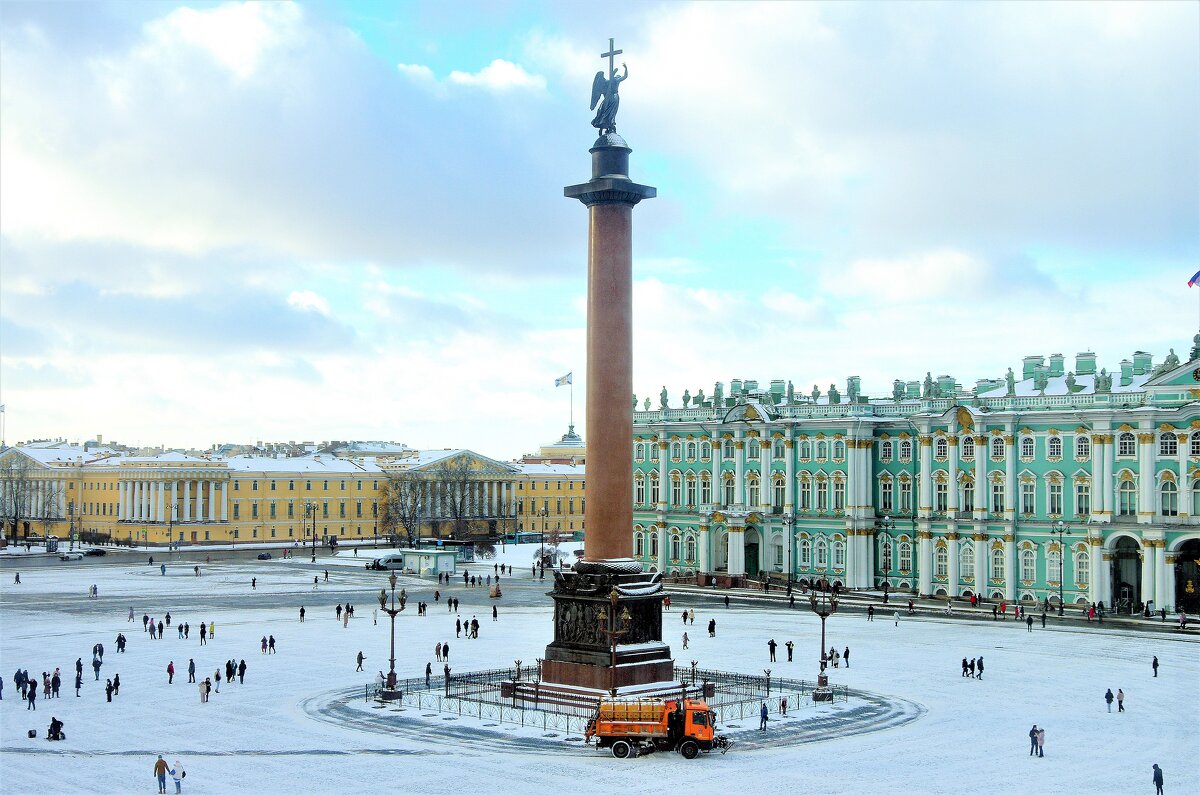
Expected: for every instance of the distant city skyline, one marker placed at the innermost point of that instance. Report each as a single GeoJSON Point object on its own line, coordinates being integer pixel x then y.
{"type": "Point", "coordinates": [253, 221]}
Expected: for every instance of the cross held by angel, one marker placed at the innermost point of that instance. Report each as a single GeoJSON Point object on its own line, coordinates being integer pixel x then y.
{"type": "Point", "coordinates": [606, 87]}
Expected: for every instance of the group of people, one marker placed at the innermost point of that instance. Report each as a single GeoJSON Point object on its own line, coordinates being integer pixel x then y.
{"type": "Point", "coordinates": [972, 668]}
{"type": "Point", "coordinates": [1109, 698]}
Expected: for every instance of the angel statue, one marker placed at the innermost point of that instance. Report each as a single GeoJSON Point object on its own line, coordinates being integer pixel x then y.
{"type": "Point", "coordinates": [606, 116]}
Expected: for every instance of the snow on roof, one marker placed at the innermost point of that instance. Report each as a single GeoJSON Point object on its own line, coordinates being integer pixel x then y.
{"type": "Point", "coordinates": [548, 469]}
{"type": "Point", "coordinates": [1057, 385]}
{"type": "Point", "coordinates": [299, 464]}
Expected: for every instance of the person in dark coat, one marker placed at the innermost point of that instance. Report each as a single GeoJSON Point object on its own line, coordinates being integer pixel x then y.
{"type": "Point", "coordinates": [1154, 665]}
{"type": "Point", "coordinates": [1158, 780]}
{"type": "Point", "coordinates": [108, 690]}
{"type": "Point", "coordinates": [428, 672]}
{"type": "Point", "coordinates": [96, 668]}
{"type": "Point", "coordinates": [191, 671]}
{"type": "Point", "coordinates": [712, 627]}
{"type": "Point", "coordinates": [360, 660]}
{"type": "Point", "coordinates": [762, 718]}
{"type": "Point", "coordinates": [1108, 699]}
{"type": "Point", "coordinates": [242, 672]}
{"type": "Point", "coordinates": [1029, 622]}
{"type": "Point", "coordinates": [979, 668]}
{"type": "Point", "coordinates": [971, 668]}
{"type": "Point", "coordinates": [116, 684]}
{"type": "Point", "coordinates": [1033, 740]}
{"type": "Point", "coordinates": [846, 656]}
{"type": "Point", "coordinates": [964, 667]}
{"type": "Point", "coordinates": [31, 696]}
{"type": "Point", "coordinates": [78, 683]}
{"type": "Point", "coordinates": [771, 648]}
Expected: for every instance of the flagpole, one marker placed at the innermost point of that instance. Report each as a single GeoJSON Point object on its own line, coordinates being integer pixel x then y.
{"type": "Point", "coordinates": [572, 400]}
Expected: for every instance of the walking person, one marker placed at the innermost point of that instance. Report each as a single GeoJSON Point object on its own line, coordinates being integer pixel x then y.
{"type": "Point", "coordinates": [171, 672]}
{"type": "Point", "coordinates": [1041, 742]}
{"type": "Point", "coordinates": [1158, 780]}
{"type": "Point", "coordinates": [846, 656]}
{"type": "Point", "coordinates": [1120, 700]}
{"type": "Point", "coordinates": [428, 672]}
{"type": "Point", "coordinates": [241, 672]}
{"type": "Point", "coordinates": [685, 640]}
{"type": "Point", "coordinates": [116, 684]}
{"type": "Point", "coordinates": [177, 774]}
{"type": "Point", "coordinates": [191, 671]}
{"type": "Point", "coordinates": [302, 615]}
{"type": "Point", "coordinates": [108, 690]}
{"type": "Point", "coordinates": [160, 771]}
{"type": "Point", "coordinates": [762, 718]}
{"type": "Point", "coordinates": [1029, 622]}
{"type": "Point", "coordinates": [217, 677]}
{"type": "Point", "coordinates": [270, 644]}
{"type": "Point", "coordinates": [360, 661]}
{"type": "Point", "coordinates": [1108, 699]}
{"type": "Point", "coordinates": [870, 612]}
{"type": "Point", "coordinates": [979, 668]}
{"type": "Point", "coordinates": [964, 672]}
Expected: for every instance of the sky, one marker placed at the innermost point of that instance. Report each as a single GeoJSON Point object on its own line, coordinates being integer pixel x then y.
{"type": "Point", "coordinates": [271, 221]}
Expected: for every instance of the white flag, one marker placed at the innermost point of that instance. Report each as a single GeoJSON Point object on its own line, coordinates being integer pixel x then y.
{"type": "Point", "coordinates": [566, 379]}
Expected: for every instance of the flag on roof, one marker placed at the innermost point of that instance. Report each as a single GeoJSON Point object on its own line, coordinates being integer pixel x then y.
{"type": "Point", "coordinates": [1195, 279]}
{"type": "Point", "coordinates": [566, 379]}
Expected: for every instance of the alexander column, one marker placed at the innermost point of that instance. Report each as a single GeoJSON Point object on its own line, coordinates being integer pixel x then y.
{"type": "Point", "coordinates": [607, 602]}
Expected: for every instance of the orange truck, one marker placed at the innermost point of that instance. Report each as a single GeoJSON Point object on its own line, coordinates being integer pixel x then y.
{"type": "Point", "coordinates": [628, 728]}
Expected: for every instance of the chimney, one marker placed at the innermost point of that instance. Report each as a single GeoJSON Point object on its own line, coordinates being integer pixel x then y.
{"type": "Point", "coordinates": [1029, 366]}
{"type": "Point", "coordinates": [1142, 362]}
{"type": "Point", "coordinates": [1085, 363]}
{"type": "Point", "coordinates": [1056, 365]}
{"type": "Point", "coordinates": [1126, 372]}
{"type": "Point", "coordinates": [735, 387]}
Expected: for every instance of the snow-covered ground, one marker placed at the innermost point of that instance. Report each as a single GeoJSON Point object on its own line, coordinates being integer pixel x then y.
{"type": "Point", "coordinates": [264, 734]}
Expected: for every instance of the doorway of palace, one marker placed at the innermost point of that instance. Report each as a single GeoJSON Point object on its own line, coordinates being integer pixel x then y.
{"type": "Point", "coordinates": [1187, 577]}
{"type": "Point", "coordinates": [1126, 575]}
{"type": "Point", "coordinates": [751, 548]}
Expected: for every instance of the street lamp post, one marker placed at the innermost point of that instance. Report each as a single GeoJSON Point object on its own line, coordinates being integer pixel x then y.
{"type": "Point", "coordinates": [788, 520]}
{"type": "Point", "coordinates": [71, 525]}
{"type": "Point", "coordinates": [311, 507]}
{"type": "Point", "coordinates": [886, 524]}
{"type": "Point", "coordinates": [542, 540]}
{"type": "Point", "coordinates": [613, 631]}
{"type": "Point", "coordinates": [824, 608]}
{"type": "Point", "coordinates": [1060, 529]}
{"type": "Point", "coordinates": [391, 611]}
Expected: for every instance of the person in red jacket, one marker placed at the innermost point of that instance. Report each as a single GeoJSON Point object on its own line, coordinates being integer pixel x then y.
{"type": "Point", "coordinates": [171, 672]}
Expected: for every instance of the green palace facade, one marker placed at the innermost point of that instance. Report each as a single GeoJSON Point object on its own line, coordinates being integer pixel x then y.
{"type": "Point", "coordinates": [1051, 479]}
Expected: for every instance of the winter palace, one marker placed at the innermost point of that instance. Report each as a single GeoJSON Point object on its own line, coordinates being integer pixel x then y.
{"type": "Point", "coordinates": [1049, 479]}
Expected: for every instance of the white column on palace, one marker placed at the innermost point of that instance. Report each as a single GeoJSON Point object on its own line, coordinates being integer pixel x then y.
{"type": "Point", "coordinates": [664, 484]}
{"type": "Point", "coordinates": [739, 461]}
{"type": "Point", "coordinates": [766, 489]}
{"type": "Point", "coordinates": [1095, 561]}
{"type": "Point", "coordinates": [1010, 567]}
{"type": "Point", "coordinates": [212, 500]}
{"type": "Point", "coordinates": [1161, 598]}
{"type": "Point", "coordinates": [952, 560]}
{"type": "Point", "coordinates": [925, 479]}
{"type": "Point", "coordinates": [717, 451]}
{"type": "Point", "coordinates": [703, 563]}
{"type": "Point", "coordinates": [925, 565]}
{"type": "Point", "coordinates": [1010, 476]}
{"type": "Point", "coordinates": [224, 500]}
{"type": "Point", "coordinates": [736, 550]}
{"type": "Point", "coordinates": [1185, 487]}
{"type": "Point", "coordinates": [1097, 457]}
{"type": "Point", "coordinates": [122, 499]}
{"type": "Point", "coordinates": [952, 488]}
{"type": "Point", "coordinates": [983, 490]}
{"type": "Point", "coordinates": [981, 562]}
{"type": "Point", "coordinates": [1168, 577]}
{"type": "Point", "coordinates": [1110, 453]}
{"type": "Point", "coordinates": [789, 469]}
{"type": "Point", "coordinates": [160, 508]}
{"type": "Point", "coordinates": [664, 540]}
{"type": "Point", "coordinates": [136, 499]}
{"type": "Point", "coordinates": [1147, 504]}
{"type": "Point", "coordinates": [1147, 572]}
{"type": "Point", "coordinates": [186, 501]}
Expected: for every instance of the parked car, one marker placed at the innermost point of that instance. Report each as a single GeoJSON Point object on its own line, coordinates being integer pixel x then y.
{"type": "Point", "coordinates": [95, 552]}
{"type": "Point", "coordinates": [71, 556]}
{"type": "Point", "coordinates": [264, 555]}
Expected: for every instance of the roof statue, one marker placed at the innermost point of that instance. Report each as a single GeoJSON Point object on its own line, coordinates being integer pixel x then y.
{"type": "Point", "coordinates": [687, 397]}
{"type": "Point", "coordinates": [1011, 381]}
{"type": "Point", "coordinates": [662, 399]}
{"type": "Point", "coordinates": [606, 87]}
{"type": "Point", "coordinates": [834, 395]}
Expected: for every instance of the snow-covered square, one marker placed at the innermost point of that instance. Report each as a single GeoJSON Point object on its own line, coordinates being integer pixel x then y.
{"type": "Point", "coordinates": [300, 719]}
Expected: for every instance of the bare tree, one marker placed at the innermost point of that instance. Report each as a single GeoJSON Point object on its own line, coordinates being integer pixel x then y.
{"type": "Point", "coordinates": [402, 506]}
{"type": "Point", "coordinates": [16, 493]}
{"type": "Point", "coordinates": [455, 476]}
{"type": "Point", "coordinates": [49, 511]}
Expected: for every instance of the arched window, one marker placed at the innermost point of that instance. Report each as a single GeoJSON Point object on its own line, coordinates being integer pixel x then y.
{"type": "Point", "coordinates": [1126, 498]}
{"type": "Point", "coordinates": [705, 450]}
{"type": "Point", "coordinates": [905, 451]}
{"type": "Point", "coordinates": [779, 451]}
{"type": "Point", "coordinates": [968, 447]}
{"type": "Point", "coordinates": [654, 544]}
{"type": "Point", "coordinates": [805, 450]}
{"type": "Point", "coordinates": [839, 494]}
{"type": "Point", "coordinates": [1169, 499]}
{"type": "Point", "coordinates": [821, 451]}
{"type": "Point", "coordinates": [1195, 444]}
{"type": "Point", "coordinates": [690, 550]}
{"type": "Point", "coordinates": [997, 564]}
{"type": "Point", "coordinates": [885, 554]}
{"type": "Point", "coordinates": [691, 491]}
{"type": "Point", "coordinates": [1028, 565]}
{"type": "Point", "coordinates": [941, 560]}
{"type": "Point", "coordinates": [639, 451]}
{"type": "Point", "coordinates": [753, 449]}
{"type": "Point", "coordinates": [822, 555]}
{"type": "Point", "coordinates": [966, 560]}
{"type": "Point", "coordinates": [691, 451]}
{"type": "Point", "coordinates": [727, 450]}
{"type": "Point", "coordinates": [839, 450]}
{"type": "Point", "coordinates": [674, 547]}
{"type": "Point", "coordinates": [941, 496]}
{"type": "Point", "coordinates": [752, 489]}
{"type": "Point", "coordinates": [730, 491]}
{"type": "Point", "coordinates": [905, 557]}
{"type": "Point", "coordinates": [639, 490]}
{"type": "Point", "coordinates": [778, 488]}
{"type": "Point", "coordinates": [941, 448]}
{"type": "Point", "coordinates": [805, 554]}
{"type": "Point", "coordinates": [1126, 444]}
{"type": "Point", "coordinates": [1026, 447]}
{"type": "Point", "coordinates": [1083, 446]}
{"type": "Point", "coordinates": [1054, 447]}
{"type": "Point", "coordinates": [885, 496]}
{"type": "Point", "coordinates": [654, 451]}
{"type": "Point", "coordinates": [654, 487]}
{"type": "Point", "coordinates": [705, 489]}
{"type": "Point", "coordinates": [675, 450]}
{"type": "Point", "coordinates": [1053, 558]}
{"type": "Point", "coordinates": [639, 545]}
{"type": "Point", "coordinates": [997, 447]}
{"type": "Point", "coordinates": [968, 495]}
{"type": "Point", "coordinates": [1083, 572]}
{"type": "Point", "coordinates": [676, 491]}
{"type": "Point", "coordinates": [839, 554]}
{"type": "Point", "coordinates": [885, 452]}
{"type": "Point", "coordinates": [806, 495]}
{"type": "Point", "coordinates": [1168, 445]}
{"type": "Point", "coordinates": [822, 495]}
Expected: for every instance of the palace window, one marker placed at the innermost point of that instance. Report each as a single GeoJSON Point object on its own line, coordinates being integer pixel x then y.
{"type": "Point", "coordinates": [752, 490]}
{"type": "Point", "coordinates": [1196, 498]}
{"type": "Point", "coordinates": [272, 485]}
{"type": "Point", "coordinates": [1053, 559]}
{"type": "Point", "coordinates": [905, 556]}
{"type": "Point", "coordinates": [839, 494]}
{"type": "Point", "coordinates": [639, 490]}
{"type": "Point", "coordinates": [822, 496]}
{"type": "Point", "coordinates": [1026, 447]}
{"type": "Point", "coordinates": [1028, 565]}
{"type": "Point", "coordinates": [1126, 498]}
{"type": "Point", "coordinates": [675, 450]}
{"type": "Point", "coordinates": [1054, 447]}
{"type": "Point", "coordinates": [691, 451]}
{"type": "Point", "coordinates": [676, 492]}
{"type": "Point", "coordinates": [805, 451]}
{"type": "Point", "coordinates": [705, 450]}
{"type": "Point", "coordinates": [905, 451]}
{"type": "Point", "coordinates": [805, 554]}
{"type": "Point", "coordinates": [997, 448]}
{"type": "Point", "coordinates": [839, 450]}
{"type": "Point", "coordinates": [885, 555]}
{"type": "Point", "coordinates": [885, 452]}
{"type": "Point", "coordinates": [1083, 500]}
{"type": "Point", "coordinates": [1027, 497]}
{"type": "Point", "coordinates": [272, 509]}
{"type": "Point", "coordinates": [941, 493]}
{"type": "Point", "coordinates": [654, 487]}
{"type": "Point", "coordinates": [1054, 495]}
{"type": "Point", "coordinates": [639, 452]}
{"type": "Point", "coordinates": [806, 494]}
{"type": "Point", "coordinates": [705, 490]}
{"type": "Point", "coordinates": [1083, 571]}
{"type": "Point", "coordinates": [674, 547]}
{"type": "Point", "coordinates": [997, 564]}
{"type": "Point", "coordinates": [839, 555]}
{"type": "Point", "coordinates": [1169, 499]}
{"type": "Point", "coordinates": [1126, 444]}
{"type": "Point", "coordinates": [821, 451]}
{"type": "Point", "coordinates": [753, 450]}
{"type": "Point", "coordinates": [822, 555]}
{"type": "Point", "coordinates": [941, 448]}
{"type": "Point", "coordinates": [1195, 444]}
{"type": "Point", "coordinates": [1083, 446]}
{"type": "Point", "coordinates": [291, 512]}
{"type": "Point", "coordinates": [905, 496]}
{"type": "Point", "coordinates": [778, 556]}
{"type": "Point", "coordinates": [654, 544]}
{"type": "Point", "coordinates": [254, 510]}
{"type": "Point", "coordinates": [941, 562]}
{"type": "Point", "coordinates": [639, 545]}
{"type": "Point", "coordinates": [654, 451]}
{"type": "Point", "coordinates": [1168, 445]}
{"type": "Point", "coordinates": [778, 450]}
{"type": "Point", "coordinates": [885, 496]}
{"type": "Point", "coordinates": [998, 498]}
{"type": "Point", "coordinates": [690, 549]}
{"type": "Point", "coordinates": [730, 492]}
{"type": "Point", "coordinates": [968, 447]}
{"type": "Point", "coordinates": [966, 560]}
{"type": "Point", "coordinates": [778, 489]}
{"type": "Point", "coordinates": [727, 450]}
{"type": "Point", "coordinates": [968, 495]}
{"type": "Point", "coordinates": [691, 491]}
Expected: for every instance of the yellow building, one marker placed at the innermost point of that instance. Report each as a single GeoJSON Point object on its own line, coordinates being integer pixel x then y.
{"type": "Point", "coordinates": [56, 488]}
{"type": "Point", "coordinates": [550, 497]}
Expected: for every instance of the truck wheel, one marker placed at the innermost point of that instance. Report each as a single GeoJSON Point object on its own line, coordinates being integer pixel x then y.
{"type": "Point", "coordinates": [621, 749]}
{"type": "Point", "coordinates": [689, 750]}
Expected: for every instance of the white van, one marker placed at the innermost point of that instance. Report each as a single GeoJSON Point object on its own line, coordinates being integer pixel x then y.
{"type": "Point", "coordinates": [392, 560]}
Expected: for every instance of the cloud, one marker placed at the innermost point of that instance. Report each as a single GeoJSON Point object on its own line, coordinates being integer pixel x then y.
{"type": "Point", "coordinates": [237, 36]}
{"type": "Point", "coordinates": [308, 301]}
{"type": "Point", "coordinates": [499, 75]}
